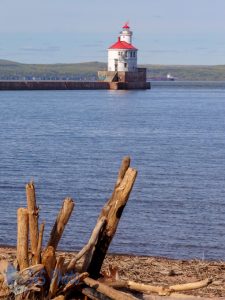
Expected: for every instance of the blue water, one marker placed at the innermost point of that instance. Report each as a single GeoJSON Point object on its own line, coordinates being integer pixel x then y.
{"type": "Point", "coordinates": [72, 142]}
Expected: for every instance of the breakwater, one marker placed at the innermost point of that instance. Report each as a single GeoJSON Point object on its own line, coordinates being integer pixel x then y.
{"type": "Point", "coordinates": [71, 85]}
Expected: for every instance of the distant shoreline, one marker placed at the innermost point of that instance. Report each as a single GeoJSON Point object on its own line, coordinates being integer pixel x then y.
{"type": "Point", "coordinates": [87, 71]}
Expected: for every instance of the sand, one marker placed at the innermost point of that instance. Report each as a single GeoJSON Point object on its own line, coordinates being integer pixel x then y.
{"type": "Point", "coordinates": [158, 271]}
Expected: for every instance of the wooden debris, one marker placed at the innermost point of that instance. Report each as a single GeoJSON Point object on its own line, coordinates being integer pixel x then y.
{"type": "Point", "coordinates": [90, 245]}
{"type": "Point", "coordinates": [160, 290]}
{"type": "Point", "coordinates": [56, 277]}
{"type": "Point", "coordinates": [106, 290]}
{"type": "Point", "coordinates": [112, 211]}
{"type": "Point", "coordinates": [91, 293]}
{"type": "Point", "coordinates": [190, 286]}
{"type": "Point", "coordinates": [60, 223]}
{"type": "Point", "coordinates": [37, 257]}
{"type": "Point", "coordinates": [22, 238]}
{"type": "Point", "coordinates": [33, 218]}
{"type": "Point", "coordinates": [59, 298]}
{"type": "Point", "coordinates": [175, 296]}
{"type": "Point", "coordinates": [48, 277]}
{"type": "Point", "coordinates": [49, 260]}
{"type": "Point", "coordinates": [75, 281]}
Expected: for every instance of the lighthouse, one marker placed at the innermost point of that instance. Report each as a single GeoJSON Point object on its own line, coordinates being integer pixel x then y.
{"type": "Point", "coordinates": [123, 72]}
{"type": "Point", "coordinates": [122, 55]}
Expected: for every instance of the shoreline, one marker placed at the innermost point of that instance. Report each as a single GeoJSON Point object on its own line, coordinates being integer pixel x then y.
{"type": "Point", "coordinates": [210, 260]}
{"type": "Point", "coordinates": [155, 270]}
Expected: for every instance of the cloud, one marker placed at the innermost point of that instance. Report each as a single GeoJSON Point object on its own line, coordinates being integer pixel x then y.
{"type": "Point", "coordinates": [40, 49]}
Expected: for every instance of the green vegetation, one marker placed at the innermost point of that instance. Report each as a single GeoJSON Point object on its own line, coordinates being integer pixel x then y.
{"type": "Point", "coordinates": [88, 71]}
{"type": "Point", "coordinates": [189, 73]}
{"type": "Point", "coordinates": [14, 70]}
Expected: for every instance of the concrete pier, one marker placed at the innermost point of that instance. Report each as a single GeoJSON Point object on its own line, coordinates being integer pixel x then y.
{"type": "Point", "coordinates": [70, 85]}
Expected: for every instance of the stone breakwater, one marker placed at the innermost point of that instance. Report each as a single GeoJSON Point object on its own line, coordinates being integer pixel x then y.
{"type": "Point", "coordinates": [71, 85]}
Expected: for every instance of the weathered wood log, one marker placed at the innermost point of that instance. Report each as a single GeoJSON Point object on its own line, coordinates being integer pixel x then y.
{"type": "Point", "coordinates": [106, 290]}
{"type": "Point", "coordinates": [119, 201]}
{"type": "Point", "coordinates": [93, 294]}
{"type": "Point", "coordinates": [28, 282]}
{"type": "Point", "coordinates": [49, 260]}
{"type": "Point", "coordinates": [33, 218]}
{"type": "Point", "coordinates": [22, 238]}
{"type": "Point", "coordinates": [175, 296]}
{"type": "Point", "coordinates": [60, 223]}
{"type": "Point", "coordinates": [112, 211]}
{"type": "Point", "coordinates": [190, 286]}
{"type": "Point", "coordinates": [139, 287]}
{"type": "Point", "coordinates": [161, 290]}
{"type": "Point", "coordinates": [122, 171]}
{"type": "Point", "coordinates": [61, 297]}
{"type": "Point", "coordinates": [37, 257]}
{"type": "Point", "coordinates": [91, 243]}
{"type": "Point", "coordinates": [56, 276]}
{"type": "Point", "coordinates": [75, 281]}
{"type": "Point", "coordinates": [25, 276]}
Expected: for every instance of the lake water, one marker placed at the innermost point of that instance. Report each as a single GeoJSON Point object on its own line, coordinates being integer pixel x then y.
{"type": "Point", "coordinates": [72, 143]}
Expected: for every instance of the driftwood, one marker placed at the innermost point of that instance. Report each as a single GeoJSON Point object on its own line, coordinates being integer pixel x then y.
{"type": "Point", "coordinates": [33, 218]}
{"type": "Point", "coordinates": [60, 223]}
{"type": "Point", "coordinates": [59, 298]}
{"type": "Point", "coordinates": [55, 278]}
{"type": "Point", "coordinates": [22, 238]}
{"type": "Point", "coordinates": [49, 277]}
{"type": "Point", "coordinates": [175, 296]}
{"type": "Point", "coordinates": [75, 281]}
{"type": "Point", "coordinates": [190, 286]}
{"type": "Point", "coordinates": [112, 211]}
{"type": "Point", "coordinates": [161, 290]}
{"type": "Point", "coordinates": [106, 290]}
{"type": "Point", "coordinates": [90, 245]}
{"type": "Point", "coordinates": [37, 257]}
{"type": "Point", "coordinates": [28, 281]}
{"type": "Point", "coordinates": [49, 260]}
{"type": "Point", "coordinates": [91, 293]}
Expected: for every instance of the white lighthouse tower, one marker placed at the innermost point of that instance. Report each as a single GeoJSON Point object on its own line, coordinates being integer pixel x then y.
{"type": "Point", "coordinates": [123, 72]}
{"type": "Point", "coordinates": [122, 56]}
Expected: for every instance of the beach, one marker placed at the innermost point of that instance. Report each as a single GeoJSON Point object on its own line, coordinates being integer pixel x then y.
{"type": "Point", "coordinates": [157, 271]}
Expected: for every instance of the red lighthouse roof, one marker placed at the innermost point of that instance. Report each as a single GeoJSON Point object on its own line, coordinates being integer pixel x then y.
{"type": "Point", "coordinates": [122, 45]}
{"type": "Point", "coordinates": [126, 26]}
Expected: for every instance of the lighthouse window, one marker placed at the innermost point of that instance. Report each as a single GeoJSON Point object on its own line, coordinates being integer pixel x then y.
{"type": "Point", "coordinates": [125, 65]}
{"type": "Point", "coordinates": [126, 53]}
{"type": "Point", "coordinates": [134, 54]}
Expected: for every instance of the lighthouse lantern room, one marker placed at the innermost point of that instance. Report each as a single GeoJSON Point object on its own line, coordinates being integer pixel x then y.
{"type": "Point", "coordinates": [122, 56]}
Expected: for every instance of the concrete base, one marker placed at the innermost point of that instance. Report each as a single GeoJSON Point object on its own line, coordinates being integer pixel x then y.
{"type": "Point", "coordinates": [70, 85]}
{"type": "Point", "coordinates": [53, 85]}
{"type": "Point", "coordinates": [135, 80]}
{"type": "Point", "coordinates": [130, 85]}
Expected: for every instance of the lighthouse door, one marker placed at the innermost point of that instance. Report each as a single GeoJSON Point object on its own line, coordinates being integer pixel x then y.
{"type": "Point", "coordinates": [116, 64]}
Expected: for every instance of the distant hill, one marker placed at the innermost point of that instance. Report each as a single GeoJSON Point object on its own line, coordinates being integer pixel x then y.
{"type": "Point", "coordinates": [78, 71]}
{"type": "Point", "coordinates": [189, 73]}
{"type": "Point", "coordinates": [88, 71]}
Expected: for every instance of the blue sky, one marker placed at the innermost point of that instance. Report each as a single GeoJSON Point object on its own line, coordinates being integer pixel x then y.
{"type": "Point", "coordinates": [67, 31]}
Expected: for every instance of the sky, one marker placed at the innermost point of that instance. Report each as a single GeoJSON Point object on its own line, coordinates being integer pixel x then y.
{"type": "Point", "coordinates": [69, 31]}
